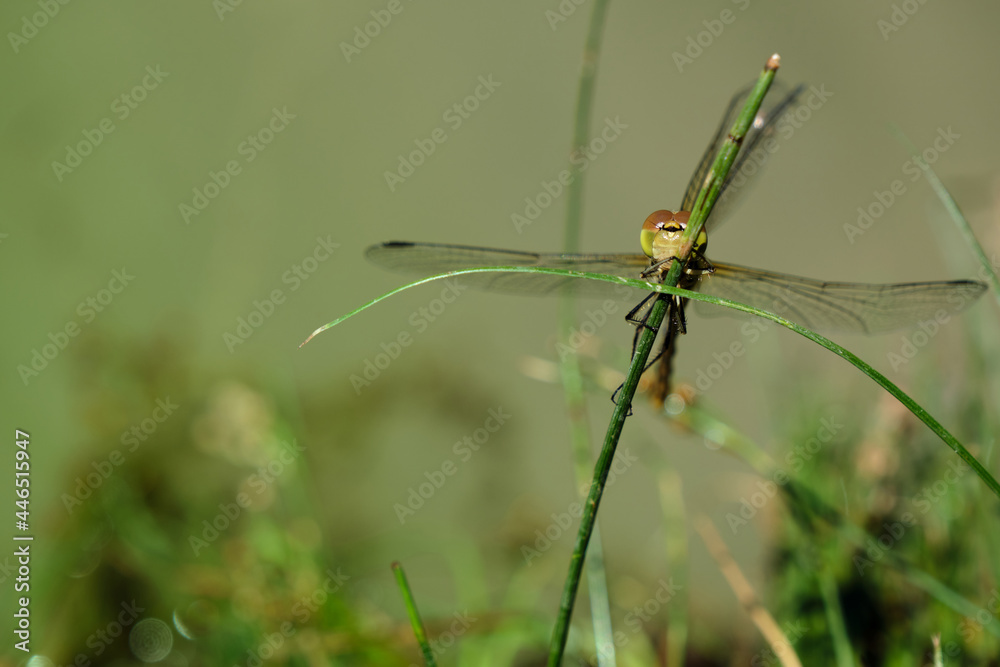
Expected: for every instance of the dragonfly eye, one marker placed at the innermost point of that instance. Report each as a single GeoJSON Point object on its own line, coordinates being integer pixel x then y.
{"type": "Point", "coordinates": [662, 223]}
{"type": "Point", "coordinates": [661, 234]}
{"type": "Point", "coordinates": [664, 226]}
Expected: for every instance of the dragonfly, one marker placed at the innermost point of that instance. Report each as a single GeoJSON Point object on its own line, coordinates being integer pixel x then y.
{"type": "Point", "coordinates": [832, 307]}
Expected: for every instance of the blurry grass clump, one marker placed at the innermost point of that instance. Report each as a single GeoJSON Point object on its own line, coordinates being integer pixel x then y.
{"type": "Point", "coordinates": [227, 523]}
{"type": "Point", "coordinates": [925, 523]}
{"type": "Point", "coordinates": [206, 523]}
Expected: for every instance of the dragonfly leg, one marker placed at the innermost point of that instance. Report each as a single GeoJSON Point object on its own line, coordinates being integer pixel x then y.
{"type": "Point", "coordinates": [654, 268]}
{"type": "Point", "coordinates": [675, 321]}
{"type": "Point", "coordinates": [676, 324]}
{"type": "Point", "coordinates": [632, 318]}
{"type": "Point", "coordinates": [677, 312]}
{"type": "Point", "coordinates": [699, 264]}
{"type": "Point", "coordinates": [639, 321]}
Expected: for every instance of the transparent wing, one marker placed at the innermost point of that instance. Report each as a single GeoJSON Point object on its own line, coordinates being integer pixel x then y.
{"type": "Point", "coordinates": [838, 307]}
{"type": "Point", "coordinates": [752, 156]}
{"type": "Point", "coordinates": [823, 306]}
{"type": "Point", "coordinates": [427, 259]}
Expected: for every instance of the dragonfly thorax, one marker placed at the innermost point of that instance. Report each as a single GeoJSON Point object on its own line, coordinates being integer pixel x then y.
{"type": "Point", "coordinates": [661, 235]}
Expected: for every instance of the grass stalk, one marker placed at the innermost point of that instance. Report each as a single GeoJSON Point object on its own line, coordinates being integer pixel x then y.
{"type": "Point", "coordinates": [703, 205]}
{"type": "Point", "coordinates": [569, 364]}
{"type": "Point", "coordinates": [763, 620]}
{"type": "Point", "coordinates": [411, 611]}
{"type": "Point", "coordinates": [835, 618]}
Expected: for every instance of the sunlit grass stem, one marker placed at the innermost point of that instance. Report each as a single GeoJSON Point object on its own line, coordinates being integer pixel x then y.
{"type": "Point", "coordinates": [411, 611]}
{"type": "Point", "coordinates": [707, 196]}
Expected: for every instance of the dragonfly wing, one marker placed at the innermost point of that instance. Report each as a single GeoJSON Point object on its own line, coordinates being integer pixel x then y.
{"type": "Point", "coordinates": [753, 155]}
{"type": "Point", "coordinates": [708, 157]}
{"type": "Point", "coordinates": [428, 259]}
{"type": "Point", "coordinates": [838, 307]}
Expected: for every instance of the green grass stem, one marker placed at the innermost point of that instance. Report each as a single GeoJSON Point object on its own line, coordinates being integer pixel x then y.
{"type": "Point", "coordinates": [411, 611]}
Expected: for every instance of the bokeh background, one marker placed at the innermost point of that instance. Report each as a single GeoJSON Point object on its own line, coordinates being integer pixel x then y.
{"type": "Point", "coordinates": [166, 97]}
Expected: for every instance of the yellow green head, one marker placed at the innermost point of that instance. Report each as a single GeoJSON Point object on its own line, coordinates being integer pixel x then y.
{"type": "Point", "coordinates": [661, 235]}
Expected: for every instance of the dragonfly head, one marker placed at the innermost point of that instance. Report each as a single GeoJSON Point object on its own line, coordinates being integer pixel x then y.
{"type": "Point", "coordinates": [661, 235]}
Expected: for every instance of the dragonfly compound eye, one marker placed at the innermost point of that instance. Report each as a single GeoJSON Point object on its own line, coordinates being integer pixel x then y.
{"type": "Point", "coordinates": [657, 221]}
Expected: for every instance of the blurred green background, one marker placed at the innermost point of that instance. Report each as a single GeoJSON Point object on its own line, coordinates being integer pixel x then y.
{"type": "Point", "coordinates": [156, 102]}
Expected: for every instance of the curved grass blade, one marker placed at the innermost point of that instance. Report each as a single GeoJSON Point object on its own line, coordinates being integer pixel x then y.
{"type": "Point", "coordinates": [879, 379]}
{"type": "Point", "coordinates": [987, 271]}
